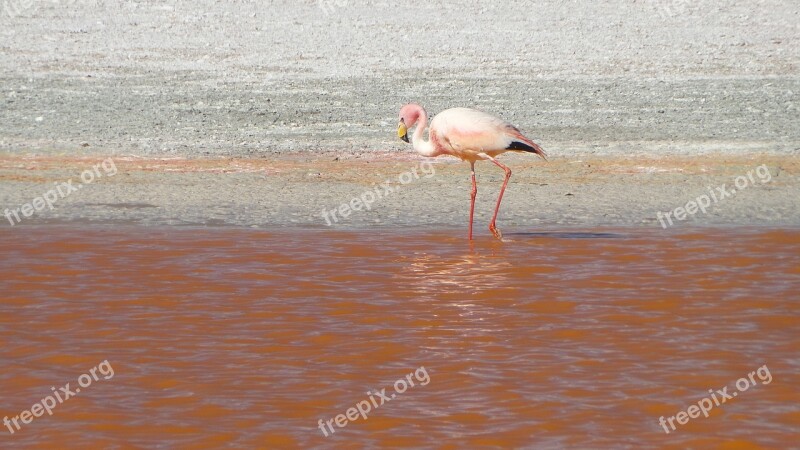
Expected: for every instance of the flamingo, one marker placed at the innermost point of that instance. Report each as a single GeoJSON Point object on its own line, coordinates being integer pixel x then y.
{"type": "Point", "coordinates": [470, 135]}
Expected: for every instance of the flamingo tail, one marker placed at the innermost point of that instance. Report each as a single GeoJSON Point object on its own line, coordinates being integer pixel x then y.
{"type": "Point", "coordinates": [521, 143]}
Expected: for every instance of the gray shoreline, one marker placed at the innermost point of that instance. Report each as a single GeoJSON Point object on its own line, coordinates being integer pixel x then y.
{"type": "Point", "coordinates": [201, 78]}
{"type": "Point", "coordinates": [594, 191]}
{"type": "Point", "coordinates": [277, 111]}
{"type": "Point", "coordinates": [187, 115]}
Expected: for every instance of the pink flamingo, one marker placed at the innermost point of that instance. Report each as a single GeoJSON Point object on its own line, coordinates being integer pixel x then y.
{"type": "Point", "coordinates": [470, 135]}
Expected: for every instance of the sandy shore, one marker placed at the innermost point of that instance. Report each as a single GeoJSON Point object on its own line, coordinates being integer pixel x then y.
{"type": "Point", "coordinates": [243, 79]}
{"type": "Point", "coordinates": [295, 189]}
{"type": "Point", "coordinates": [241, 114]}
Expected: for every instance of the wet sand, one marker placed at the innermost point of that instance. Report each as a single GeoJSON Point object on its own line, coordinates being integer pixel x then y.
{"type": "Point", "coordinates": [247, 338]}
{"type": "Point", "coordinates": [295, 189]}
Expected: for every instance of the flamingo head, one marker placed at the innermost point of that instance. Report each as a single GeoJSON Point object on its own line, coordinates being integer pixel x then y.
{"type": "Point", "coordinates": [409, 115]}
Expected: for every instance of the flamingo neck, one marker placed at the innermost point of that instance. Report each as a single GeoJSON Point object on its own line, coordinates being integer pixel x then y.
{"type": "Point", "coordinates": [421, 146]}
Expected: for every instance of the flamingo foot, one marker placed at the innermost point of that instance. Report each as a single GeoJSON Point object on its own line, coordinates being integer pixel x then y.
{"type": "Point", "coordinates": [495, 231]}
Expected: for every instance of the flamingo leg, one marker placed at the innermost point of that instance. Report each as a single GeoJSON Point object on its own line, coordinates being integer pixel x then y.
{"type": "Point", "coordinates": [473, 194]}
{"type": "Point", "coordinates": [493, 225]}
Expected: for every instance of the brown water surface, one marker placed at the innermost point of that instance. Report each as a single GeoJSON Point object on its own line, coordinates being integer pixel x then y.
{"type": "Point", "coordinates": [248, 338]}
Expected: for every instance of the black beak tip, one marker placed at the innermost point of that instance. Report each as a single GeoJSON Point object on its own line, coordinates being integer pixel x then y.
{"type": "Point", "coordinates": [405, 137]}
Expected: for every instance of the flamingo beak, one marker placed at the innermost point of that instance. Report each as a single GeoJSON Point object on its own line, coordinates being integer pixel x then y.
{"type": "Point", "coordinates": [402, 131]}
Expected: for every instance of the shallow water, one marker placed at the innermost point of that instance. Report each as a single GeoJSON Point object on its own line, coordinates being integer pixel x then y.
{"type": "Point", "coordinates": [248, 338]}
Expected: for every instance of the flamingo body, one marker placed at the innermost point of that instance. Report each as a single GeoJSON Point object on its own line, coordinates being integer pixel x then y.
{"type": "Point", "coordinates": [466, 133]}
{"type": "Point", "coordinates": [470, 135]}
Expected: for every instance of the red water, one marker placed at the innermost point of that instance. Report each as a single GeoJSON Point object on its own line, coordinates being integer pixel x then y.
{"type": "Point", "coordinates": [248, 338]}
